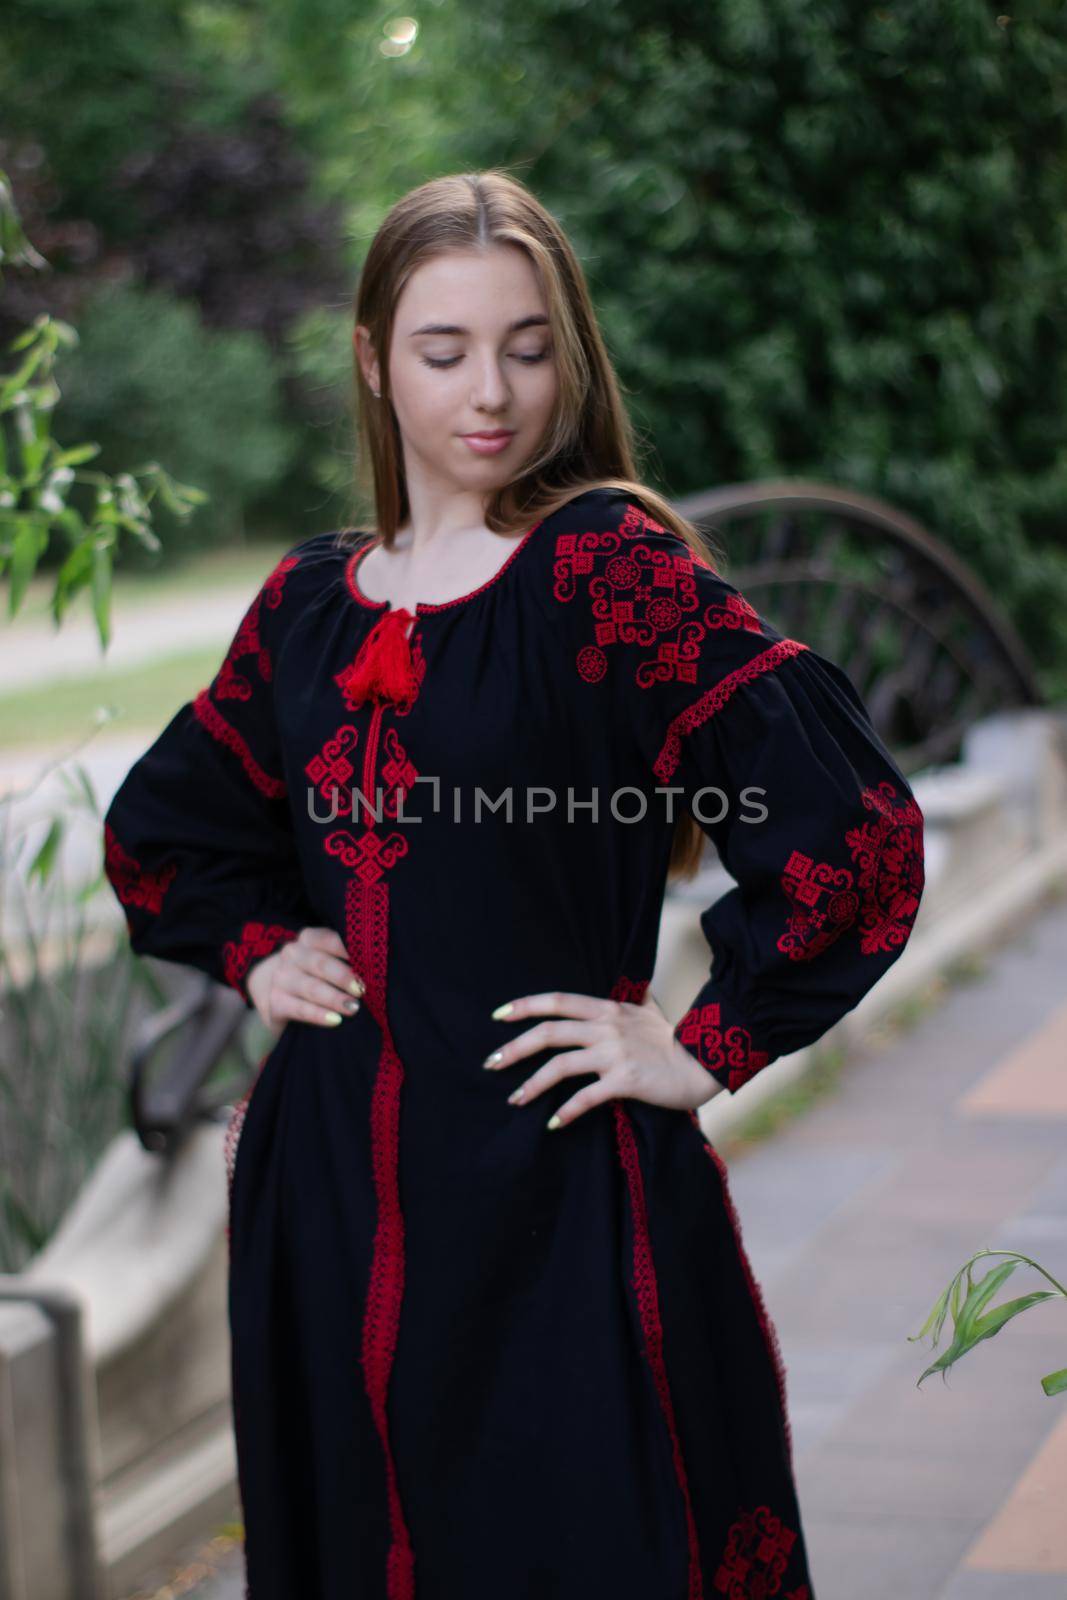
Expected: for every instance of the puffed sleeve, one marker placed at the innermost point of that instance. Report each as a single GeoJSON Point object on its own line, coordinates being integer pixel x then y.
{"type": "Point", "coordinates": [771, 748]}
{"type": "Point", "coordinates": [198, 840]}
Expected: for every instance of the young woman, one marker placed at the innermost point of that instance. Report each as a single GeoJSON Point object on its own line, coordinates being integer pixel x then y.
{"type": "Point", "coordinates": [494, 1333]}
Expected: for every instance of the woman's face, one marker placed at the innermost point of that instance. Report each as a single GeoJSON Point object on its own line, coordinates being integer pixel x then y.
{"type": "Point", "coordinates": [471, 353]}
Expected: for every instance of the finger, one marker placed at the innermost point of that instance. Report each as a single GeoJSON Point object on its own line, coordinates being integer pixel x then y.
{"type": "Point", "coordinates": [555, 1002]}
{"type": "Point", "coordinates": [316, 963]}
{"type": "Point", "coordinates": [570, 1065]}
{"type": "Point", "coordinates": [542, 1036]}
{"type": "Point", "coordinates": [288, 1006]}
{"type": "Point", "coordinates": [597, 1094]}
{"type": "Point", "coordinates": [323, 995]}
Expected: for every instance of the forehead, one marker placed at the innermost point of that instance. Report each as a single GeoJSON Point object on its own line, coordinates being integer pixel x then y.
{"type": "Point", "coordinates": [471, 288]}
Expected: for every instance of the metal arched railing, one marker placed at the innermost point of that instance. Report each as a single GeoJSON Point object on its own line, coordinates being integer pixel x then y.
{"type": "Point", "coordinates": [920, 636]}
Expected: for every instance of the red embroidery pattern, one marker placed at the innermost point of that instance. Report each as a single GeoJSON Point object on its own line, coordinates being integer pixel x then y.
{"type": "Point", "coordinates": [371, 854]}
{"type": "Point", "coordinates": [642, 594]}
{"type": "Point", "coordinates": [133, 885]}
{"type": "Point", "coordinates": [719, 1047]}
{"type": "Point", "coordinates": [770, 1334]}
{"type": "Point", "coordinates": [368, 855]}
{"type": "Point", "coordinates": [638, 594]}
{"type": "Point", "coordinates": [756, 1556]}
{"type": "Point", "coordinates": [880, 899]}
{"type": "Point", "coordinates": [208, 714]}
{"type": "Point", "coordinates": [398, 772]}
{"type": "Point", "coordinates": [824, 903]}
{"type": "Point", "coordinates": [366, 929]}
{"type": "Point", "coordinates": [647, 1294]}
{"type": "Point", "coordinates": [229, 683]}
{"type": "Point", "coordinates": [332, 771]}
{"type": "Point", "coordinates": [713, 700]}
{"type": "Point", "coordinates": [891, 874]}
{"type": "Point", "coordinates": [631, 989]}
{"type": "Point", "coordinates": [275, 582]}
{"type": "Point", "coordinates": [257, 939]}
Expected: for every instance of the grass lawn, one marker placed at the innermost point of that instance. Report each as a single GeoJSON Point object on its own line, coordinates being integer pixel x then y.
{"type": "Point", "coordinates": [144, 697]}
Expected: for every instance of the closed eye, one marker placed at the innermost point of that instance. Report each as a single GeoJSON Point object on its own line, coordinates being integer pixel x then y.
{"type": "Point", "coordinates": [450, 361]}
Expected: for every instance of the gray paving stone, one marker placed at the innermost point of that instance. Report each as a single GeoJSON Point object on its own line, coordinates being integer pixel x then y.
{"type": "Point", "coordinates": [896, 1481]}
{"type": "Point", "coordinates": [966, 1585]}
{"type": "Point", "coordinates": [881, 1558]}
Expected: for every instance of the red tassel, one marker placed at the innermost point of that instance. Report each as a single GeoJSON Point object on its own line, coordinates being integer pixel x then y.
{"type": "Point", "coordinates": [383, 668]}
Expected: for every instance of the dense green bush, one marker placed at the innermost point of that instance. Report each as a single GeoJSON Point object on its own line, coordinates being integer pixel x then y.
{"type": "Point", "coordinates": [147, 380]}
{"type": "Point", "coordinates": [825, 240]}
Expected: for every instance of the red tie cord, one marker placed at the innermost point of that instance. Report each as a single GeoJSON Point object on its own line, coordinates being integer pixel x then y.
{"type": "Point", "coordinates": [383, 668]}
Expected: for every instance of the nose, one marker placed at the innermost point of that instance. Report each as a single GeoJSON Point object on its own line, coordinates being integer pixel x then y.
{"type": "Point", "coordinates": [490, 391]}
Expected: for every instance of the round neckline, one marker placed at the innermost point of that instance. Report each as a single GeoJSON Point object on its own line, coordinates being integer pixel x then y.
{"type": "Point", "coordinates": [425, 607]}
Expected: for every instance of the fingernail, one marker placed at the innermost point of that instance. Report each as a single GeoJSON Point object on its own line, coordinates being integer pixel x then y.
{"type": "Point", "coordinates": [355, 987]}
{"type": "Point", "coordinates": [554, 1122]}
{"type": "Point", "coordinates": [332, 1018]}
{"type": "Point", "coordinates": [504, 1010]}
{"type": "Point", "coordinates": [516, 1095]}
{"type": "Point", "coordinates": [351, 1005]}
{"type": "Point", "coordinates": [494, 1060]}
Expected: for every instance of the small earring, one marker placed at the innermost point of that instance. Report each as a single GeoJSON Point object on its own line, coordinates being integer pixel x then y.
{"type": "Point", "coordinates": [377, 393]}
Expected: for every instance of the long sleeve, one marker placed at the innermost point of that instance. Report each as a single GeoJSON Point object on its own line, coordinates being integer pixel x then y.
{"type": "Point", "coordinates": [773, 752]}
{"type": "Point", "coordinates": [198, 840]}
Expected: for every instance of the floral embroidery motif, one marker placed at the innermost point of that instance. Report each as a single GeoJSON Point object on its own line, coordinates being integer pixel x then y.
{"type": "Point", "coordinates": [229, 683]}
{"type": "Point", "coordinates": [713, 700]}
{"type": "Point", "coordinates": [133, 885]}
{"type": "Point", "coordinates": [257, 939]}
{"type": "Point", "coordinates": [880, 899]}
{"type": "Point", "coordinates": [642, 595]}
{"type": "Point", "coordinates": [332, 772]}
{"type": "Point", "coordinates": [208, 715]}
{"type": "Point", "coordinates": [720, 1048]}
{"type": "Point", "coordinates": [754, 1562]}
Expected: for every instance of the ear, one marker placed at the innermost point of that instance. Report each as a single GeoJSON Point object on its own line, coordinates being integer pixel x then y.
{"type": "Point", "coordinates": [366, 357]}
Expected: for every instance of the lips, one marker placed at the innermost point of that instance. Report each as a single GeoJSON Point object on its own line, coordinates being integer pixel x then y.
{"type": "Point", "coordinates": [488, 444]}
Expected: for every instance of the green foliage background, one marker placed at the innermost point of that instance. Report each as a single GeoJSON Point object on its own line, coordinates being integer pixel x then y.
{"type": "Point", "coordinates": [824, 239]}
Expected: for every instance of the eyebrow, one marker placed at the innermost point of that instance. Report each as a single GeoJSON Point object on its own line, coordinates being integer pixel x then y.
{"type": "Point", "coordinates": [538, 320]}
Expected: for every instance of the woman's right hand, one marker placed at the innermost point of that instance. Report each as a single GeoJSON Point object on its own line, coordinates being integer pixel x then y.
{"type": "Point", "coordinates": [309, 979]}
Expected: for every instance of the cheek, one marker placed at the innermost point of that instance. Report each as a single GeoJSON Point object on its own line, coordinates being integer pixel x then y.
{"type": "Point", "coordinates": [422, 398]}
{"type": "Point", "coordinates": [544, 396]}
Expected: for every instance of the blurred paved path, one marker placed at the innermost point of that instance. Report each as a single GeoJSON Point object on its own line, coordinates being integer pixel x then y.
{"type": "Point", "coordinates": [36, 652]}
{"type": "Point", "coordinates": [948, 1139]}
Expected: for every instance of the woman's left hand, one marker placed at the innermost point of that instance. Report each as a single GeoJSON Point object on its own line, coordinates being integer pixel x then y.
{"type": "Point", "coordinates": [631, 1048]}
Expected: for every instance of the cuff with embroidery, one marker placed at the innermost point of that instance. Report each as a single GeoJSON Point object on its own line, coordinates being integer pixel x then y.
{"type": "Point", "coordinates": [722, 1045]}
{"type": "Point", "coordinates": [256, 940]}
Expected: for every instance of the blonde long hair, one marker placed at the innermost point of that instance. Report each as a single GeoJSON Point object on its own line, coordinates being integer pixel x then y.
{"type": "Point", "coordinates": [589, 442]}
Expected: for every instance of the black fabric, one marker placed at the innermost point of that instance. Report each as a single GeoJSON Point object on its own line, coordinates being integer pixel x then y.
{"type": "Point", "coordinates": [473, 1357]}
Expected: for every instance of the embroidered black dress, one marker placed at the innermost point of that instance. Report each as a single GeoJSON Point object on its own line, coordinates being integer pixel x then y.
{"type": "Point", "coordinates": [474, 1359]}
